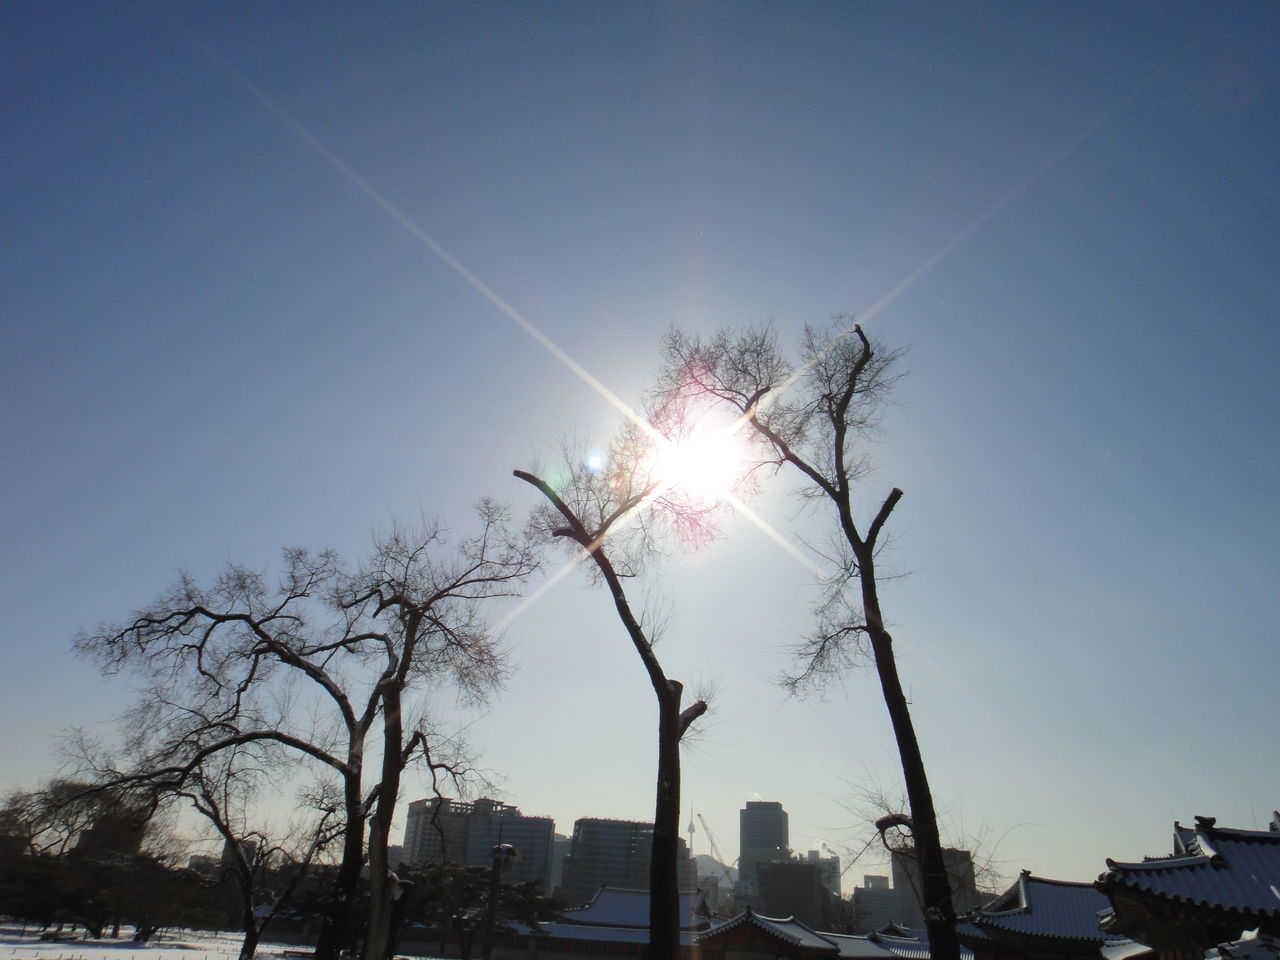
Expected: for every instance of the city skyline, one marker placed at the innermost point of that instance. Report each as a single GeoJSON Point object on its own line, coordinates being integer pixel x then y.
{"type": "Point", "coordinates": [285, 276]}
{"type": "Point", "coordinates": [610, 852]}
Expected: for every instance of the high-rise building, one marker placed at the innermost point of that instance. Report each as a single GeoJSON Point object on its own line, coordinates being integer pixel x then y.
{"type": "Point", "coordinates": [828, 869]}
{"type": "Point", "coordinates": [560, 845]}
{"type": "Point", "coordinates": [118, 827]}
{"type": "Point", "coordinates": [248, 849]}
{"type": "Point", "coordinates": [906, 882]}
{"type": "Point", "coordinates": [435, 831]}
{"type": "Point", "coordinates": [615, 853]}
{"type": "Point", "coordinates": [763, 837]}
{"type": "Point", "coordinates": [439, 829]}
{"type": "Point", "coordinates": [794, 888]}
{"type": "Point", "coordinates": [875, 904]}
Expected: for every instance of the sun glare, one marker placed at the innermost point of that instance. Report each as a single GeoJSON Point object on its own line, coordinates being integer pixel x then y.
{"type": "Point", "coordinates": [705, 464]}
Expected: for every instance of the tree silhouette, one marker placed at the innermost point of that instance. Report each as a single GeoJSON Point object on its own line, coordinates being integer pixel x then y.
{"type": "Point", "coordinates": [452, 899]}
{"type": "Point", "coordinates": [322, 665]}
{"type": "Point", "coordinates": [620, 502]}
{"type": "Point", "coordinates": [808, 417]}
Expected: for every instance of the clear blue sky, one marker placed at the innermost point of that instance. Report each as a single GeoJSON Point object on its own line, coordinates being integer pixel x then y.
{"type": "Point", "coordinates": [216, 343]}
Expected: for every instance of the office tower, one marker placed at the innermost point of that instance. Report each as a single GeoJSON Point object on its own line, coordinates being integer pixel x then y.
{"type": "Point", "coordinates": [560, 846]}
{"type": "Point", "coordinates": [613, 852]}
{"type": "Point", "coordinates": [906, 883]}
{"type": "Point", "coordinates": [829, 868]}
{"type": "Point", "coordinates": [439, 829]}
{"type": "Point", "coordinates": [248, 850]}
{"type": "Point", "coordinates": [875, 904]}
{"type": "Point", "coordinates": [763, 837]}
{"type": "Point", "coordinates": [616, 853]}
{"type": "Point", "coordinates": [794, 888]}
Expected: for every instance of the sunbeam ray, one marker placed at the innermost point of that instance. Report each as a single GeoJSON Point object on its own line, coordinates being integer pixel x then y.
{"type": "Point", "coordinates": [527, 601]}
{"type": "Point", "coordinates": [375, 196]}
{"type": "Point", "coordinates": [1013, 193]}
{"type": "Point", "coordinates": [344, 169]}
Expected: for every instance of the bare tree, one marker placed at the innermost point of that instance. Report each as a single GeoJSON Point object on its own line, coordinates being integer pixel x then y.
{"type": "Point", "coordinates": [94, 857]}
{"type": "Point", "coordinates": [323, 665]}
{"type": "Point", "coordinates": [610, 502]}
{"type": "Point", "coordinates": [809, 417]}
{"type": "Point", "coordinates": [974, 869]}
{"type": "Point", "coordinates": [48, 821]}
{"type": "Point", "coordinates": [221, 789]}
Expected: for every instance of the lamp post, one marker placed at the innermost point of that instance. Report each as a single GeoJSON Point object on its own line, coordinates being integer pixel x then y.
{"type": "Point", "coordinates": [504, 854]}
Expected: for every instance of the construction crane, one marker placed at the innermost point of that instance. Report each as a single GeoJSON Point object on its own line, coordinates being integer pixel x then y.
{"type": "Point", "coordinates": [715, 850]}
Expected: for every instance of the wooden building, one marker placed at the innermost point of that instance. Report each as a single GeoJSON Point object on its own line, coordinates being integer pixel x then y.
{"type": "Point", "coordinates": [1218, 884]}
{"type": "Point", "coordinates": [1041, 918]}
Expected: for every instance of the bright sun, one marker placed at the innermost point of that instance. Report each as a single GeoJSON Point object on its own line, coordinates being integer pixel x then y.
{"type": "Point", "coordinates": [704, 464]}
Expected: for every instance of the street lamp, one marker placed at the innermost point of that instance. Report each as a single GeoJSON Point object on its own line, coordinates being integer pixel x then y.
{"type": "Point", "coordinates": [504, 854]}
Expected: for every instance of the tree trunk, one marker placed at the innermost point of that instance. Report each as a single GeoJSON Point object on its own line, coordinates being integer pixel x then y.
{"type": "Point", "coordinates": [249, 946]}
{"type": "Point", "coordinates": [935, 888]}
{"type": "Point", "coordinates": [382, 888]}
{"type": "Point", "coordinates": [252, 930]}
{"type": "Point", "coordinates": [664, 885]}
{"type": "Point", "coordinates": [398, 910]}
{"type": "Point", "coordinates": [381, 899]}
{"type": "Point", "coordinates": [335, 926]}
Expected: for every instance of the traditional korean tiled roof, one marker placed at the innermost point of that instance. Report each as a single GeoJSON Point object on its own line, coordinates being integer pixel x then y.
{"type": "Point", "coordinates": [1212, 867]}
{"type": "Point", "coordinates": [854, 947]}
{"type": "Point", "coordinates": [1252, 946]}
{"type": "Point", "coordinates": [788, 930]}
{"type": "Point", "coordinates": [969, 931]}
{"type": "Point", "coordinates": [908, 943]}
{"type": "Point", "coordinates": [1126, 949]}
{"type": "Point", "coordinates": [890, 942]}
{"type": "Point", "coordinates": [596, 934]}
{"type": "Point", "coordinates": [1053, 909]}
{"type": "Point", "coordinates": [898, 930]}
{"type": "Point", "coordinates": [908, 948]}
{"type": "Point", "coordinates": [620, 907]}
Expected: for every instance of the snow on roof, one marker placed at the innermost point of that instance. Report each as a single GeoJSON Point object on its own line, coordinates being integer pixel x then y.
{"type": "Point", "coordinates": [910, 949]}
{"type": "Point", "coordinates": [1252, 946]}
{"type": "Point", "coordinates": [1212, 867]}
{"type": "Point", "coordinates": [858, 947]}
{"type": "Point", "coordinates": [908, 944]}
{"type": "Point", "coordinates": [604, 934]}
{"type": "Point", "coordinates": [1039, 907]}
{"type": "Point", "coordinates": [789, 930]}
{"type": "Point", "coordinates": [1125, 949]}
{"type": "Point", "coordinates": [620, 907]}
{"type": "Point", "coordinates": [891, 942]}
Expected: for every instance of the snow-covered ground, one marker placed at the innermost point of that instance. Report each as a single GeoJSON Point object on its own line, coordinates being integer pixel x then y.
{"type": "Point", "coordinates": [17, 944]}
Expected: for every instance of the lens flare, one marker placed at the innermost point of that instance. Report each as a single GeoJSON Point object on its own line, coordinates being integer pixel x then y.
{"type": "Point", "coordinates": [705, 463]}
